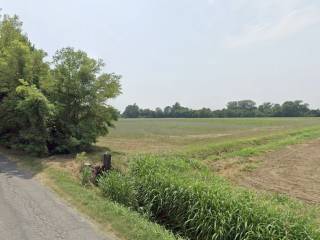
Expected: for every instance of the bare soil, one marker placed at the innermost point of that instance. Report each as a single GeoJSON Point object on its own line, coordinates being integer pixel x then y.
{"type": "Point", "coordinates": [294, 170]}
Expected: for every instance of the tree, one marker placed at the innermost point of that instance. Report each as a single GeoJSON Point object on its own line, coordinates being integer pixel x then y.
{"type": "Point", "coordinates": [24, 110]}
{"type": "Point", "coordinates": [146, 113]}
{"type": "Point", "coordinates": [131, 111]}
{"type": "Point", "coordinates": [179, 111]}
{"type": "Point", "coordinates": [232, 105]}
{"type": "Point", "coordinates": [167, 111]}
{"type": "Point", "coordinates": [51, 110]}
{"type": "Point", "coordinates": [243, 108]}
{"type": "Point", "coordinates": [277, 110]}
{"type": "Point", "coordinates": [247, 105]}
{"type": "Point", "coordinates": [314, 113]}
{"type": "Point", "coordinates": [204, 113]}
{"type": "Point", "coordinates": [80, 92]}
{"type": "Point", "coordinates": [294, 109]}
{"type": "Point", "coordinates": [266, 109]}
{"type": "Point", "coordinates": [34, 111]}
{"type": "Point", "coordinates": [159, 113]}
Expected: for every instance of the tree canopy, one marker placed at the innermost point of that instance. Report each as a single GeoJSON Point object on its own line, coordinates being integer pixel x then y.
{"type": "Point", "coordinates": [55, 107]}
{"type": "Point", "coordinates": [243, 108]}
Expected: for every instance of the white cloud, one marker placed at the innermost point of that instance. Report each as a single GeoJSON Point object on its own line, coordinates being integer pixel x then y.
{"type": "Point", "coordinates": [274, 21]}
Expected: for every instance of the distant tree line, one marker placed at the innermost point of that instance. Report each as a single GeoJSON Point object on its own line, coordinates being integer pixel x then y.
{"type": "Point", "coordinates": [234, 109]}
{"type": "Point", "coordinates": [51, 107]}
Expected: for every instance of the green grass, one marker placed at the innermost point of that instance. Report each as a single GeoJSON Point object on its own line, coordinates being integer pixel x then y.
{"type": "Point", "coordinates": [205, 139]}
{"type": "Point", "coordinates": [125, 223]}
{"type": "Point", "coordinates": [112, 217]}
{"type": "Point", "coordinates": [251, 146]}
{"type": "Point", "coordinates": [144, 128]}
{"type": "Point", "coordinates": [193, 139]}
{"type": "Point", "coordinates": [187, 198]}
{"type": "Point", "coordinates": [261, 217]}
{"type": "Point", "coordinates": [135, 136]}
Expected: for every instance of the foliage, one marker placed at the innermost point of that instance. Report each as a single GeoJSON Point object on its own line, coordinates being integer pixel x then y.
{"type": "Point", "coordinates": [125, 223]}
{"type": "Point", "coordinates": [80, 95]}
{"type": "Point", "coordinates": [85, 175]}
{"type": "Point", "coordinates": [235, 109]}
{"type": "Point", "coordinates": [186, 198]}
{"type": "Point", "coordinates": [54, 108]}
{"type": "Point", "coordinates": [118, 188]}
{"type": "Point", "coordinates": [131, 111]}
{"type": "Point", "coordinates": [24, 110]}
{"type": "Point", "coordinates": [34, 111]}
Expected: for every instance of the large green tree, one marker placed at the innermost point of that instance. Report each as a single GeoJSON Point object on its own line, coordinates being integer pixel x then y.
{"type": "Point", "coordinates": [23, 108]}
{"type": "Point", "coordinates": [295, 108]}
{"type": "Point", "coordinates": [80, 92]}
{"type": "Point", "coordinates": [50, 108]}
{"type": "Point", "coordinates": [132, 111]}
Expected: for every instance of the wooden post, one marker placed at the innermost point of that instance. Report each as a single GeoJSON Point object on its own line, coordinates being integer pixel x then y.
{"type": "Point", "coordinates": [106, 161]}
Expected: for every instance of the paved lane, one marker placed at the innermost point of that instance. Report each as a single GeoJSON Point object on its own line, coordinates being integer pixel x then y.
{"type": "Point", "coordinates": [29, 211]}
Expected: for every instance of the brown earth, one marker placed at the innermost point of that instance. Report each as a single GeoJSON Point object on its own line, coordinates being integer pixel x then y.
{"type": "Point", "coordinates": [294, 170]}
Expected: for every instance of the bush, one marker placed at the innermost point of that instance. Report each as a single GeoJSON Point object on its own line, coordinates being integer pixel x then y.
{"type": "Point", "coordinates": [118, 188]}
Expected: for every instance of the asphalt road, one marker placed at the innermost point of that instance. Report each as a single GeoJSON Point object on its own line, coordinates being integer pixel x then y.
{"type": "Point", "coordinates": [30, 211]}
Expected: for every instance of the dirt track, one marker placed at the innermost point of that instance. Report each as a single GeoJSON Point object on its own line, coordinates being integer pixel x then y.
{"type": "Point", "coordinates": [29, 211]}
{"type": "Point", "coordinates": [294, 170]}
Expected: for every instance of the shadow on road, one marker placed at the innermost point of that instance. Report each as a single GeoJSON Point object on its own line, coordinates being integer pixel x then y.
{"type": "Point", "coordinates": [10, 169]}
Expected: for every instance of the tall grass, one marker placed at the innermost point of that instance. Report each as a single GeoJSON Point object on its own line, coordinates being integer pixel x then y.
{"type": "Point", "coordinates": [186, 198]}
{"type": "Point", "coordinates": [118, 188]}
{"type": "Point", "coordinates": [126, 224]}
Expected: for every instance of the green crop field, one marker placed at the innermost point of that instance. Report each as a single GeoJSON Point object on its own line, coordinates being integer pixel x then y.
{"type": "Point", "coordinates": [163, 135]}
{"type": "Point", "coordinates": [169, 175]}
{"type": "Point", "coordinates": [164, 185]}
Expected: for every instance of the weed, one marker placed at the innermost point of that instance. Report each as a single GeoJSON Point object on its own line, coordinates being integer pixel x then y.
{"type": "Point", "coordinates": [85, 176]}
{"type": "Point", "coordinates": [118, 188]}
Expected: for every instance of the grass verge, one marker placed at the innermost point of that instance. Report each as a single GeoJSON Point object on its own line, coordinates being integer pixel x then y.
{"type": "Point", "coordinates": [110, 216]}
{"type": "Point", "coordinates": [125, 223]}
{"type": "Point", "coordinates": [187, 198]}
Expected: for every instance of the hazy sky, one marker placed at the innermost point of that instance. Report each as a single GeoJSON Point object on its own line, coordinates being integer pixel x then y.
{"type": "Point", "coordinates": [197, 52]}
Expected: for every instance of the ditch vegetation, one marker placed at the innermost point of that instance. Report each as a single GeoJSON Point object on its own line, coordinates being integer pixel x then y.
{"type": "Point", "coordinates": [185, 197]}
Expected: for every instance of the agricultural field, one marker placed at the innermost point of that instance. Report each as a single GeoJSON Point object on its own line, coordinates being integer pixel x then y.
{"type": "Point", "coordinates": [91, 149]}
{"type": "Point", "coordinates": [279, 167]}
{"type": "Point", "coordinates": [173, 175]}
{"type": "Point", "coordinates": [157, 135]}
{"type": "Point", "coordinates": [197, 137]}
{"type": "Point", "coordinates": [206, 162]}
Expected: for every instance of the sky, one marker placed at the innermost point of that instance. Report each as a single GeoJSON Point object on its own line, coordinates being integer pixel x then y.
{"type": "Point", "coordinates": [200, 53]}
